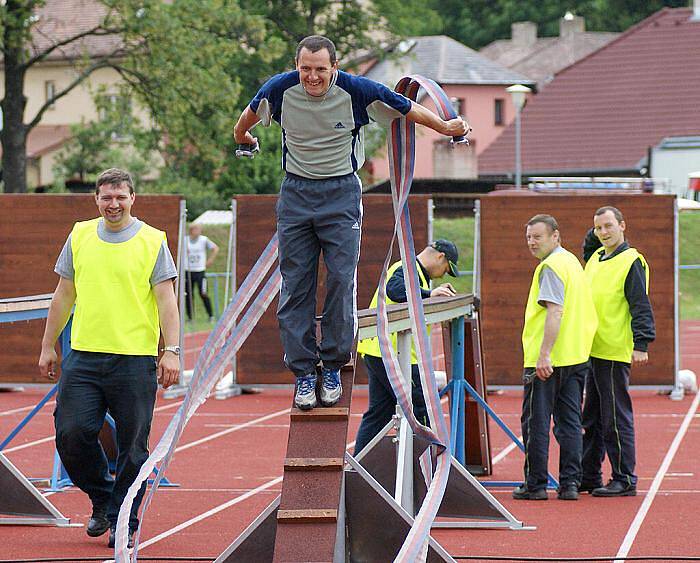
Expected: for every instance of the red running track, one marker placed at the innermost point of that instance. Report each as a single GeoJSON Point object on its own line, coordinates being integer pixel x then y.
{"type": "Point", "coordinates": [229, 464]}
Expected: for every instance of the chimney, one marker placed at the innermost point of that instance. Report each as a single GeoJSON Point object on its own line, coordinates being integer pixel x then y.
{"type": "Point", "coordinates": [524, 34]}
{"type": "Point", "coordinates": [571, 24]}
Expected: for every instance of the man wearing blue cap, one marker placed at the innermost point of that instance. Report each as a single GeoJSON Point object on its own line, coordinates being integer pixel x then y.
{"type": "Point", "coordinates": [433, 262]}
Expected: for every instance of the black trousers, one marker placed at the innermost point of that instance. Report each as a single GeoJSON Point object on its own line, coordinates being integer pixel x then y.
{"type": "Point", "coordinates": [92, 383]}
{"type": "Point", "coordinates": [558, 397]}
{"type": "Point", "coordinates": [382, 401]}
{"type": "Point", "coordinates": [608, 423]}
{"type": "Point", "coordinates": [198, 280]}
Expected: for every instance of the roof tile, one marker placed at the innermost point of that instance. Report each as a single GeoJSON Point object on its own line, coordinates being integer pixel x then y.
{"type": "Point", "coordinates": [603, 112]}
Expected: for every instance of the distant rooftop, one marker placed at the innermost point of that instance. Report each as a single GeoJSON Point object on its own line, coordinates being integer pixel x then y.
{"type": "Point", "coordinates": [540, 58]}
{"type": "Point", "coordinates": [443, 60]}
{"type": "Point", "coordinates": [600, 115]}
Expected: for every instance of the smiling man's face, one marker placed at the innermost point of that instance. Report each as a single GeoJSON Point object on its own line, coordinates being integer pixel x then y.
{"type": "Point", "coordinates": [114, 202]}
{"type": "Point", "coordinates": [315, 70]}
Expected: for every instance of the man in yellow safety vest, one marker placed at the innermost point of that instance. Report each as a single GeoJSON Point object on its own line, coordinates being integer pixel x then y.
{"type": "Point", "coordinates": [619, 279]}
{"type": "Point", "coordinates": [434, 262]}
{"type": "Point", "coordinates": [118, 272]}
{"type": "Point", "coordinates": [560, 322]}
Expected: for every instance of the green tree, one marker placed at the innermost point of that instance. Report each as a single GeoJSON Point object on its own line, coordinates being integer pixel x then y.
{"type": "Point", "coordinates": [479, 22]}
{"type": "Point", "coordinates": [175, 57]}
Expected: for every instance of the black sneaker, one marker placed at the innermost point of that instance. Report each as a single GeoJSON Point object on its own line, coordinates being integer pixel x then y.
{"type": "Point", "coordinates": [522, 493]}
{"type": "Point", "coordinates": [112, 538]}
{"type": "Point", "coordinates": [586, 487]}
{"type": "Point", "coordinates": [568, 492]}
{"type": "Point", "coordinates": [616, 489]}
{"type": "Point", "coordinates": [98, 523]}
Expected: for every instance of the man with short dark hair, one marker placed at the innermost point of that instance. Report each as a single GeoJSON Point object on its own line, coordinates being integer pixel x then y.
{"type": "Point", "coordinates": [433, 262]}
{"type": "Point", "coordinates": [560, 322]}
{"type": "Point", "coordinates": [322, 111]}
{"type": "Point", "coordinates": [619, 280]}
{"type": "Point", "coordinates": [118, 272]}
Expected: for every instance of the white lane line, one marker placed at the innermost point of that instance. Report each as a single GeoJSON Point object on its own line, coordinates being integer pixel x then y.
{"type": "Point", "coordinates": [505, 451]}
{"type": "Point", "coordinates": [23, 409]}
{"type": "Point", "coordinates": [649, 498]}
{"type": "Point", "coordinates": [168, 406]}
{"type": "Point", "coordinates": [51, 438]}
{"type": "Point", "coordinates": [217, 509]}
{"type": "Point", "coordinates": [233, 429]}
{"type": "Point", "coordinates": [265, 425]}
{"type": "Point", "coordinates": [211, 512]}
{"type": "Point", "coordinates": [28, 445]}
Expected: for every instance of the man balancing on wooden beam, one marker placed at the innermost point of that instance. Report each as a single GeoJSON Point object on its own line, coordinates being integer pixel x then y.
{"type": "Point", "coordinates": [322, 111]}
{"type": "Point", "coordinates": [434, 261]}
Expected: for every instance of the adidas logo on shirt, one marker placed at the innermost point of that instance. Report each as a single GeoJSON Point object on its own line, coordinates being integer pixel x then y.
{"type": "Point", "coordinates": [339, 125]}
{"type": "Point", "coordinates": [356, 226]}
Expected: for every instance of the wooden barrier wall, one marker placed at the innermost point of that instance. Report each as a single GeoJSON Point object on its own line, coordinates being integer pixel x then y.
{"type": "Point", "coordinates": [33, 229]}
{"type": "Point", "coordinates": [507, 267]}
{"type": "Point", "coordinates": [260, 360]}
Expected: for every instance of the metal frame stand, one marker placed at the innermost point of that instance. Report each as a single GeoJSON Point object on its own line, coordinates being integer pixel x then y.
{"type": "Point", "coordinates": [465, 497]}
{"type": "Point", "coordinates": [23, 502]}
{"type": "Point", "coordinates": [457, 387]}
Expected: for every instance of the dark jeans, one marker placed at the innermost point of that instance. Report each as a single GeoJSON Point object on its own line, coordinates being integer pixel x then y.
{"type": "Point", "coordinates": [557, 397]}
{"type": "Point", "coordinates": [92, 383]}
{"type": "Point", "coordinates": [315, 216]}
{"type": "Point", "coordinates": [608, 423]}
{"type": "Point", "coordinates": [382, 401]}
{"type": "Point", "coordinates": [196, 280]}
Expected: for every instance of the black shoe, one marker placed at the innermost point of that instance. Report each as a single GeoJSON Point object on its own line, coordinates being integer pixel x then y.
{"type": "Point", "coordinates": [585, 487]}
{"type": "Point", "coordinates": [615, 489]}
{"type": "Point", "coordinates": [522, 493]}
{"type": "Point", "coordinates": [568, 492]}
{"type": "Point", "coordinates": [98, 523]}
{"type": "Point", "coordinates": [112, 539]}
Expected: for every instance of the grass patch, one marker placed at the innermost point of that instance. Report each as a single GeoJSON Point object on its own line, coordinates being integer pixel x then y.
{"type": "Point", "coordinates": [461, 232]}
{"type": "Point", "coordinates": [689, 280]}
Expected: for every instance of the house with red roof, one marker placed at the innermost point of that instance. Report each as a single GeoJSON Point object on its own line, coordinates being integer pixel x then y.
{"type": "Point", "coordinates": [57, 21]}
{"type": "Point", "coordinates": [542, 57]}
{"type": "Point", "coordinates": [475, 84]}
{"type": "Point", "coordinates": [605, 114]}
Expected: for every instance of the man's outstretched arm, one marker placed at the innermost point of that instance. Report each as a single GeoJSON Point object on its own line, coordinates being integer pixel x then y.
{"type": "Point", "coordinates": [451, 128]}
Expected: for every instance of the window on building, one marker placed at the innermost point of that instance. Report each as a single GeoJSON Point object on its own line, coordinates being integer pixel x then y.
{"type": "Point", "coordinates": [117, 109]}
{"type": "Point", "coordinates": [459, 105]}
{"type": "Point", "coordinates": [498, 111]}
{"type": "Point", "coordinates": [49, 92]}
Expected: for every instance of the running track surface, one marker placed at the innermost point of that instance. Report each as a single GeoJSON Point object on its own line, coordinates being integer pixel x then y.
{"type": "Point", "coordinates": [229, 463]}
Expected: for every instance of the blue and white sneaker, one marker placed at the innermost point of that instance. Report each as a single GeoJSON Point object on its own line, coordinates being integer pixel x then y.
{"type": "Point", "coordinates": [331, 388]}
{"type": "Point", "coordinates": [305, 396]}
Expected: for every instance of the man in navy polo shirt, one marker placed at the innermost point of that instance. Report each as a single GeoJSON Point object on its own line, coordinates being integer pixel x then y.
{"type": "Point", "coordinates": [322, 111]}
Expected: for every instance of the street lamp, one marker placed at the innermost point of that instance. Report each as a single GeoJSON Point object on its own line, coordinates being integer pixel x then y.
{"type": "Point", "coordinates": [518, 94]}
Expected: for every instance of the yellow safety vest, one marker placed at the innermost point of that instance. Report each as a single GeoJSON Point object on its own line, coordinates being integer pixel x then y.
{"type": "Point", "coordinates": [578, 322]}
{"type": "Point", "coordinates": [115, 308]}
{"type": "Point", "coordinates": [370, 346]}
{"type": "Point", "coordinates": [613, 339]}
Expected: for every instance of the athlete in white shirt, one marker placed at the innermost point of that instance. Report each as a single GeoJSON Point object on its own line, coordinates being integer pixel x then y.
{"type": "Point", "coordinates": [201, 252]}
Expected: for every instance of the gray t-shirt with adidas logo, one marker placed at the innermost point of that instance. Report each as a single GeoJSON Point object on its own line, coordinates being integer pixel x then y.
{"type": "Point", "coordinates": [322, 135]}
